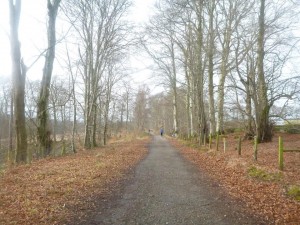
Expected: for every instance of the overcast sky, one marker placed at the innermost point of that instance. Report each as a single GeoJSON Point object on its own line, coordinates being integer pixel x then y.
{"type": "Point", "coordinates": [32, 34]}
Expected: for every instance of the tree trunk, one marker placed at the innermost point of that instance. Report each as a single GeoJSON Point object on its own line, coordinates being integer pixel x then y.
{"type": "Point", "coordinates": [221, 91]}
{"type": "Point", "coordinates": [73, 145]}
{"type": "Point", "coordinates": [264, 131]}
{"type": "Point", "coordinates": [42, 111]}
{"type": "Point", "coordinates": [105, 130]}
{"type": "Point", "coordinates": [188, 104]}
{"type": "Point", "coordinates": [127, 109]}
{"type": "Point", "coordinates": [94, 134]}
{"type": "Point", "coordinates": [87, 131]}
{"type": "Point", "coordinates": [249, 132]}
{"type": "Point", "coordinates": [200, 80]}
{"type": "Point", "coordinates": [211, 47]}
{"type": "Point", "coordinates": [11, 126]}
{"type": "Point", "coordinates": [19, 75]}
{"type": "Point", "coordinates": [174, 87]}
{"type": "Point", "coordinates": [54, 122]}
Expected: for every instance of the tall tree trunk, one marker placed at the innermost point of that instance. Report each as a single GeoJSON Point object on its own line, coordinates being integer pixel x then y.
{"type": "Point", "coordinates": [19, 75]}
{"type": "Point", "coordinates": [221, 95]}
{"type": "Point", "coordinates": [87, 104]}
{"type": "Point", "coordinates": [105, 129]}
{"type": "Point", "coordinates": [249, 132]}
{"type": "Point", "coordinates": [94, 134]}
{"type": "Point", "coordinates": [54, 122]}
{"type": "Point", "coordinates": [211, 47]}
{"type": "Point", "coordinates": [87, 130]}
{"type": "Point", "coordinates": [174, 87]}
{"type": "Point", "coordinates": [127, 109]}
{"type": "Point", "coordinates": [264, 132]}
{"type": "Point", "coordinates": [74, 120]}
{"type": "Point", "coordinates": [100, 110]}
{"type": "Point", "coordinates": [11, 126]}
{"type": "Point", "coordinates": [63, 122]}
{"type": "Point", "coordinates": [73, 146]}
{"type": "Point", "coordinates": [202, 128]}
{"type": "Point", "coordinates": [175, 115]}
{"type": "Point", "coordinates": [188, 103]}
{"type": "Point", "coordinates": [42, 111]}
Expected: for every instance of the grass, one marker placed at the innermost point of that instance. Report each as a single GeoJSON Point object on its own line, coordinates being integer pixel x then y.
{"type": "Point", "coordinates": [263, 175]}
{"type": "Point", "coordinates": [294, 192]}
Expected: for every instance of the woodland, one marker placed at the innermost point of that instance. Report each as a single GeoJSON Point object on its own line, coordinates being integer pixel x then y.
{"type": "Point", "coordinates": [224, 66]}
{"type": "Point", "coordinates": [229, 68]}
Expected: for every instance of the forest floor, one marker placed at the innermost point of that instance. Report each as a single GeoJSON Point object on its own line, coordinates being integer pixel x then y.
{"type": "Point", "coordinates": [68, 189]}
{"type": "Point", "coordinates": [56, 190]}
{"type": "Point", "coordinates": [265, 189]}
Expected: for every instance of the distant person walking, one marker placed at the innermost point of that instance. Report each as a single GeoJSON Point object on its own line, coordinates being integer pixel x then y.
{"type": "Point", "coordinates": [161, 131]}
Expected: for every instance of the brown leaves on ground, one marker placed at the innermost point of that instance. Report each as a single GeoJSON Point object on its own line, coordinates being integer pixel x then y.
{"type": "Point", "coordinates": [265, 198]}
{"type": "Point", "coordinates": [53, 190]}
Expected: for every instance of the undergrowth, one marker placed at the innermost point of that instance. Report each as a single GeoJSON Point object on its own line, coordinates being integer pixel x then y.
{"type": "Point", "coordinates": [263, 175]}
{"type": "Point", "coordinates": [294, 192]}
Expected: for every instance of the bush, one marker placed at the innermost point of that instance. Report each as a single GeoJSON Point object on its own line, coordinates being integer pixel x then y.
{"type": "Point", "coordinates": [293, 130]}
{"type": "Point", "coordinates": [229, 130]}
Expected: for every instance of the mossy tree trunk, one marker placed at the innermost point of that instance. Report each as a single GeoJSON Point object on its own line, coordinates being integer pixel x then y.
{"type": "Point", "coordinates": [43, 130]}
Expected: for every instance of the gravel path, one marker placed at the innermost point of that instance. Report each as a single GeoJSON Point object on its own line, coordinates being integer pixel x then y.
{"type": "Point", "coordinates": [167, 189]}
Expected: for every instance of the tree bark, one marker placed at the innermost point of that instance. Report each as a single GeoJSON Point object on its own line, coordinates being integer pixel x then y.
{"type": "Point", "coordinates": [211, 47]}
{"type": "Point", "coordinates": [264, 131]}
{"type": "Point", "coordinates": [202, 128]}
{"type": "Point", "coordinates": [43, 131]}
{"type": "Point", "coordinates": [18, 75]}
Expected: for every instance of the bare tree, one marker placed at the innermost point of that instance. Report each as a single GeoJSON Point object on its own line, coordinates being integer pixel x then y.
{"type": "Point", "coordinates": [140, 109]}
{"type": "Point", "coordinates": [210, 53]}
{"type": "Point", "coordinates": [18, 75]}
{"type": "Point", "coordinates": [101, 27]}
{"type": "Point", "coordinates": [161, 46]}
{"type": "Point", "coordinates": [43, 131]}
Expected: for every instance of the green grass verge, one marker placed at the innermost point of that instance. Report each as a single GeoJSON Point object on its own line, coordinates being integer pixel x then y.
{"type": "Point", "coordinates": [263, 175]}
{"type": "Point", "coordinates": [294, 191]}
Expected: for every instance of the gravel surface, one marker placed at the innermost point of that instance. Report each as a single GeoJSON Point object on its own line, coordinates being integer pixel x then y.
{"type": "Point", "coordinates": [167, 189]}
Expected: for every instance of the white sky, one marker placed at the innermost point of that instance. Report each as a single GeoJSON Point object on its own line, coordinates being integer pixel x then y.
{"type": "Point", "coordinates": [32, 35]}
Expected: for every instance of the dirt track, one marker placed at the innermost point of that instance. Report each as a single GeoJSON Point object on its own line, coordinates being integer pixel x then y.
{"type": "Point", "coordinates": [167, 189]}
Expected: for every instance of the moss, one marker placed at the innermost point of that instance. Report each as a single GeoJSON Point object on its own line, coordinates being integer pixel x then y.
{"type": "Point", "coordinates": [263, 175]}
{"type": "Point", "coordinates": [294, 192]}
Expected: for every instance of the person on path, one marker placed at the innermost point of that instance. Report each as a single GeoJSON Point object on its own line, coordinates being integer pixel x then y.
{"type": "Point", "coordinates": [161, 131]}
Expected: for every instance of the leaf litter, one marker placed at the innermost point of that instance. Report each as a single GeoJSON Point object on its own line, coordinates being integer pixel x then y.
{"type": "Point", "coordinates": [57, 190]}
{"type": "Point", "coordinates": [265, 197]}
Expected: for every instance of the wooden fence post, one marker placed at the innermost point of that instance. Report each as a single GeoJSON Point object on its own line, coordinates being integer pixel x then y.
{"type": "Point", "coordinates": [63, 149]}
{"type": "Point", "coordinates": [224, 142]}
{"type": "Point", "coordinates": [280, 149]}
{"type": "Point", "coordinates": [240, 145]}
{"type": "Point", "coordinates": [217, 147]}
{"type": "Point", "coordinates": [255, 148]}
